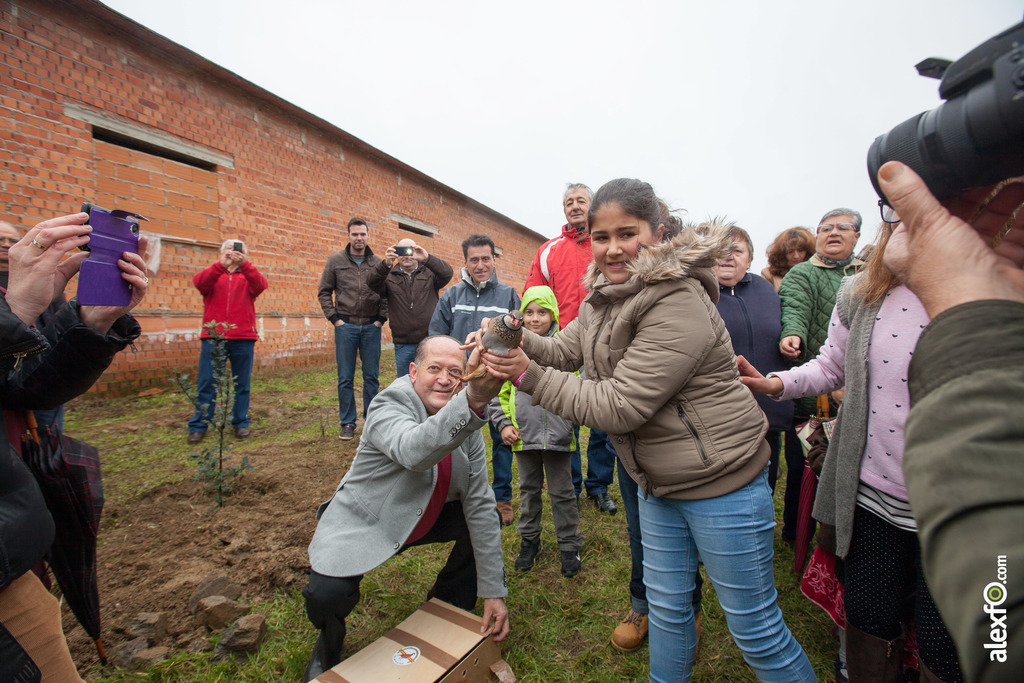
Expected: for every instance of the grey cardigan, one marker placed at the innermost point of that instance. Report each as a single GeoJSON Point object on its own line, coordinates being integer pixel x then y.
{"type": "Point", "coordinates": [381, 498]}
{"type": "Point", "coordinates": [836, 500]}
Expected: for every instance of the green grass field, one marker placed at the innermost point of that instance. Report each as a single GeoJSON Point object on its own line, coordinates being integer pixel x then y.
{"type": "Point", "coordinates": [561, 627]}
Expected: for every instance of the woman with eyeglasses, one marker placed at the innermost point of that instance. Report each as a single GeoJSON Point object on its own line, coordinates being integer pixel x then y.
{"type": "Point", "coordinates": [871, 337]}
{"type": "Point", "coordinates": [808, 295]}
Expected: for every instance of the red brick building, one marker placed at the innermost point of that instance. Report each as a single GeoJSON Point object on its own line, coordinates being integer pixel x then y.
{"type": "Point", "coordinates": [95, 107]}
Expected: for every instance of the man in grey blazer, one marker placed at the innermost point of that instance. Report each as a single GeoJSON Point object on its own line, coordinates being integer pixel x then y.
{"type": "Point", "coordinates": [419, 476]}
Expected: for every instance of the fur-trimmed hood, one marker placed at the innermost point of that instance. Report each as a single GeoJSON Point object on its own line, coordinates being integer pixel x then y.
{"type": "Point", "coordinates": [691, 253]}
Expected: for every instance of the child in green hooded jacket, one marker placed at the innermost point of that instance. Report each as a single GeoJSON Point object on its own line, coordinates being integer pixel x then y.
{"type": "Point", "coordinates": [542, 442]}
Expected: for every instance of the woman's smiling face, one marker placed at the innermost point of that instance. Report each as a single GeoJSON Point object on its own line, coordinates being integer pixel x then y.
{"type": "Point", "coordinates": [615, 238]}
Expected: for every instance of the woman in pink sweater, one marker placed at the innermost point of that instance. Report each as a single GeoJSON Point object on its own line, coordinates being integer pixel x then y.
{"type": "Point", "coordinates": [872, 335]}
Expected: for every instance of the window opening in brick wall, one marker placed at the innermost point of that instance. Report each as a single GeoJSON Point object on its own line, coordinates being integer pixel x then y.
{"type": "Point", "coordinates": [121, 140]}
{"type": "Point", "coordinates": [414, 230]}
{"type": "Point", "coordinates": [180, 200]}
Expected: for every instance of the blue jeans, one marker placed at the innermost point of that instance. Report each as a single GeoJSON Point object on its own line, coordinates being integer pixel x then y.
{"type": "Point", "coordinates": [240, 354]}
{"type": "Point", "coordinates": [404, 354]}
{"type": "Point", "coordinates": [628, 489]}
{"type": "Point", "coordinates": [350, 339]}
{"type": "Point", "coordinates": [733, 535]}
{"type": "Point", "coordinates": [637, 590]}
{"type": "Point", "coordinates": [501, 463]}
{"type": "Point", "coordinates": [600, 464]}
{"type": "Point", "coordinates": [50, 417]}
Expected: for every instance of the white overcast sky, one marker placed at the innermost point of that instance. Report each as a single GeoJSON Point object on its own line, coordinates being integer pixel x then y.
{"type": "Point", "coordinates": [759, 111]}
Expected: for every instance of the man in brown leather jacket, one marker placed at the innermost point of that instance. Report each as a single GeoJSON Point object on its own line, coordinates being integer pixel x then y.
{"type": "Point", "coordinates": [357, 313]}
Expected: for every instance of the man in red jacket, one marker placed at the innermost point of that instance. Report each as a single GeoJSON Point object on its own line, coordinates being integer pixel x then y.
{"type": "Point", "coordinates": [229, 288]}
{"type": "Point", "coordinates": [560, 264]}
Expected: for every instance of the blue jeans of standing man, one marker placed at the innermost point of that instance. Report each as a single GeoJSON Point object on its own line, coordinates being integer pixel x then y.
{"type": "Point", "coordinates": [629, 489]}
{"type": "Point", "coordinates": [350, 339]}
{"type": "Point", "coordinates": [404, 354]}
{"type": "Point", "coordinates": [733, 535]}
{"type": "Point", "coordinates": [600, 464]}
{"type": "Point", "coordinates": [240, 354]}
{"type": "Point", "coordinates": [637, 590]}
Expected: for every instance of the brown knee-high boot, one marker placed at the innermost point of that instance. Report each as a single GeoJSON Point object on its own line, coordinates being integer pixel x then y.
{"type": "Point", "coordinates": [872, 660]}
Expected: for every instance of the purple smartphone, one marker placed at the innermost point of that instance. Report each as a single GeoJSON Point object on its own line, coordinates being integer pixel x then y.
{"type": "Point", "coordinates": [113, 233]}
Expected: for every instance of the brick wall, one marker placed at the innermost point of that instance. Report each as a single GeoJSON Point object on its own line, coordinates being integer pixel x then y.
{"type": "Point", "coordinates": [95, 108]}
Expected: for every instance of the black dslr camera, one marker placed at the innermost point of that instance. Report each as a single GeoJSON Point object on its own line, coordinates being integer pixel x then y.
{"type": "Point", "coordinates": [976, 137]}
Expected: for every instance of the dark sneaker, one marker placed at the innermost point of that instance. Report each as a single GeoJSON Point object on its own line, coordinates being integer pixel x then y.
{"type": "Point", "coordinates": [528, 552]}
{"type": "Point", "coordinates": [570, 563]}
{"type": "Point", "coordinates": [604, 503]}
{"type": "Point", "coordinates": [348, 432]}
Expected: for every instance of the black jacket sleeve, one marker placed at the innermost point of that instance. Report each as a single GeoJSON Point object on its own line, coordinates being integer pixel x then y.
{"type": "Point", "coordinates": [67, 359]}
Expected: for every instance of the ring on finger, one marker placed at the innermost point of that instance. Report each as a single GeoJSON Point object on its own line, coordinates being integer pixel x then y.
{"type": "Point", "coordinates": [35, 243]}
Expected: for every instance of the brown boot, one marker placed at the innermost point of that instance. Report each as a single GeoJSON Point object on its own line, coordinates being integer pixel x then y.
{"type": "Point", "coordinates": [629, 635]}
{"type": "Point", "coordinates": [872, 660]}
{"type": "Point", "coordinates": [505, 510]}
{"type": "Point", "coordinates": [696, 623]}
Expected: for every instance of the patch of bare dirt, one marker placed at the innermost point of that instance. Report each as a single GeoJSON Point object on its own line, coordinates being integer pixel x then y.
{"type": "Point", "coordinates": [154, 549]}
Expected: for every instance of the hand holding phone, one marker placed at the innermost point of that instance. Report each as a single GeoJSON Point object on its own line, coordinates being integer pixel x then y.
{"type": "Point", "coordinates": [113, 233]}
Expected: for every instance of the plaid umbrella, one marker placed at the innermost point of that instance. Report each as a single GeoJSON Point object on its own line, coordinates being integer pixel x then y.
{"type": "Point", "coordinates": [68, 473]}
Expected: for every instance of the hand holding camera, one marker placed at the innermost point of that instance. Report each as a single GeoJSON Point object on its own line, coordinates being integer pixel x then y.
{"type": "Point", "coordinates": [944, 259]}
{"type": "Point", "coordinates": [970, 247]}
{"type": "Point", "coordinates": [39, 271]}
{"type": "Point", "coordinates": [404, 251]}
{"type": "Point", "coordinates": [38, 274]}
{"type": "Point", "coordinates": [132, 268]}
{"type": "Point", "coordinates": [232, 255]}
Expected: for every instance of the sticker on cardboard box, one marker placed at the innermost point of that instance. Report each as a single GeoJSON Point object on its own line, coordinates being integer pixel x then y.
{"type": "Point", "coordinates": [405, 656]}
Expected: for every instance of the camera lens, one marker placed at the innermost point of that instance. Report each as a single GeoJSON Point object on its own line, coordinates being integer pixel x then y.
{"type": "Point", "coordinates": [972, 140]}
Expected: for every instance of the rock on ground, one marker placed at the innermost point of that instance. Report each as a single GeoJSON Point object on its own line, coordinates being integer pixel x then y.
{"type": "Point", "coordinates": [218, 611]}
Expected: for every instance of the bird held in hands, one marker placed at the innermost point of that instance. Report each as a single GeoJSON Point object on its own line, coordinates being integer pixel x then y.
{"type": "Point", "coordinates": [504, 332]}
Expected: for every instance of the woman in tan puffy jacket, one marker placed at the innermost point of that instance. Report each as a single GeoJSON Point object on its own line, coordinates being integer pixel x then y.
{"type": "Point", "coordinates": [661, 379]}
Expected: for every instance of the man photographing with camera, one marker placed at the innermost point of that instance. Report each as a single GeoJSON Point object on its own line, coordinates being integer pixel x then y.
{"type": "Point", "coordinates": [963, 258]}
{"type": "Point", "coordinates": [229, 288]}
{"type": "Point", "coordinates": [410, 279]}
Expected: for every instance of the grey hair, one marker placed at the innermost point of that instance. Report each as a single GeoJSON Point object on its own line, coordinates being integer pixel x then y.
{"type": "Point", "coordinates": [740, 233]}
{"type": "Point", "coordinates": [572, 187]}
{"type": "Point", "coordinates": [842, 211]}
{"type": "Point", "coordinates": [230, 244]}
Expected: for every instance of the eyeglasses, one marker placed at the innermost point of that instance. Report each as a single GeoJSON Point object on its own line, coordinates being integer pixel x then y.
{"type": "Point", "coordinates": [9, 240]}
{"type": "Point", "coordinates": [841, 227]}
{"type": "Point", "coordinates": [889, 214]}
{"type": "Point", "coordinates": [454, 373]}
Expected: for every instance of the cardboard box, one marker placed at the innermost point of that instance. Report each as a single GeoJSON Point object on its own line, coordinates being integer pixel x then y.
{"type": "Point", "coordinates": [438, 643]}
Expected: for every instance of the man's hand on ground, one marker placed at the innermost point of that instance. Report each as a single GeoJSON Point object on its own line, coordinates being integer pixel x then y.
{"type": "Point", "coordinates": [495, 621]}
